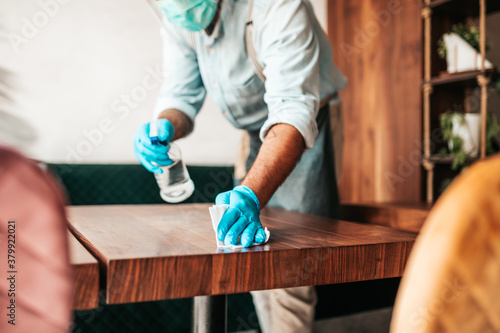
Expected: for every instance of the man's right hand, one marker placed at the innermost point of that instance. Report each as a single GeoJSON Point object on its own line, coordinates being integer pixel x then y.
{"type": "Point", "coordinates": [241, 218]}
{"type": "Point", "coordinates": [146, 152]}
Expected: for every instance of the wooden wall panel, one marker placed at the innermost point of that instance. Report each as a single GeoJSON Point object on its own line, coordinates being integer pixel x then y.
{"type": "Point", "coordinates": [377, 45]}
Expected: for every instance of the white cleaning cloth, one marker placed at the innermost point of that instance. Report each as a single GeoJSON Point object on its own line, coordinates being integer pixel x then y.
{"type": "Point", "coordinates": [216, 212]}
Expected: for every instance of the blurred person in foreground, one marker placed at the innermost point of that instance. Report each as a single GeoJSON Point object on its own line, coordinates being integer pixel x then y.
{"type": "Point", "coordinates": [36, 285]}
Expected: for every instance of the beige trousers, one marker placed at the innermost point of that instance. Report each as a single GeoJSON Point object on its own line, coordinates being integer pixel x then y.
{"type": "Point", "coordinates": [288, 310]}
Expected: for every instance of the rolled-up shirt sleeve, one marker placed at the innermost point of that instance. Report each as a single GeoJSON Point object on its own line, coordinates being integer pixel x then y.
{"type": "Point", "coordinates": [289, 51]}
{"type": "Point", "coordinates": [182, 87]}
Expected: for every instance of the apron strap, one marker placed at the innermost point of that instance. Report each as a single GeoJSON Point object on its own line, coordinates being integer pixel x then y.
{"type": "Point", "coordinates": [252, 53]}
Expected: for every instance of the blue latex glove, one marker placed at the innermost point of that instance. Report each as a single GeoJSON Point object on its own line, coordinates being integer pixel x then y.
{"type": "Point", "coordinates": [242, 217]}
{"type": "Point", "coordinates": [146, 152]}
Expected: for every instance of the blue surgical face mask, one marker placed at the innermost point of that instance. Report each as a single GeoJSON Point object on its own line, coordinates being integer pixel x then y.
{"type": "Point", "coordinates": [192, 15]}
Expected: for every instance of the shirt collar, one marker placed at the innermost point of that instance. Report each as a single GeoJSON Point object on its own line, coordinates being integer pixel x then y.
{"type": "Point", "coordinates": [226, 8]}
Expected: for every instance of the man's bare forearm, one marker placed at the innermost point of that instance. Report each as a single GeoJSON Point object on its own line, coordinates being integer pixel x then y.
{"type": "Point", "coordinates": [281, 150]}
{"type": "Point", "coordinates": [182, 123]}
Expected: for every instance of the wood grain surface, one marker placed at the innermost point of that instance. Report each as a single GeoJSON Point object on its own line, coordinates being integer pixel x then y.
{"type": "Point", "coordinates": [397, 215]}
{"type": "Point", "coordinates": [377, 45]}
{"type": "Point", "coordinates": [86, 276]}
{"type": "Point", "coordinates": [154, 252]}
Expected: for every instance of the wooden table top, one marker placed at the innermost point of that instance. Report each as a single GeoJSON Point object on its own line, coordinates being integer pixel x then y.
{"type": "Point", "coordinates": [155, 252]}
{"type": "Point", "coordinates": [85, 276]}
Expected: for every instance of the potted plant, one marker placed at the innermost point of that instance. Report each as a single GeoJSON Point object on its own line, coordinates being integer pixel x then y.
{"type": "Point", "coordinates": [462, 134]}
{"type": "Point", "coordinates": [460, 48]}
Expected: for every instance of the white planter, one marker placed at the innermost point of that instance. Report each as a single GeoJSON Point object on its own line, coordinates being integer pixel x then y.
{"type": "Point", "coordinates": [469, 130]}
{"type": "Point", "coordinates": [460, 56]}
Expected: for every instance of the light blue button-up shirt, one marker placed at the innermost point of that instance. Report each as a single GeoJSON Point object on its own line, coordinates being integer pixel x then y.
{"type": "Point", "coordinates": [291, 45]}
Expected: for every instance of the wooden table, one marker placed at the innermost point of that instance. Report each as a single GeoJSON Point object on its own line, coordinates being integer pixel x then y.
{"type": "Point", "coordinates": [156, 252]}
{"type": "Point", "coordinates": [86, 276]}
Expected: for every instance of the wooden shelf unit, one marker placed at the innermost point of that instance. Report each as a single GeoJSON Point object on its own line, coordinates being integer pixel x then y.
{"type": "Point", "coordinates": [438, 16]}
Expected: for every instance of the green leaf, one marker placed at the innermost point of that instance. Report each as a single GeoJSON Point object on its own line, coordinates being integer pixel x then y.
{"type": "Point", "coordinates": [441, 48]}
{"type": "Point", "coordinates": [443, 152]}
{"type": "Point", "coordinates": [459, 159]}
{"type": "Point", "coordinates": [456, 151]}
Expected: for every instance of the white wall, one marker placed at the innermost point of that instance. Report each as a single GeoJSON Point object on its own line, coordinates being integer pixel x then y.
{"type": "Point", "coordinates": [83, 74]}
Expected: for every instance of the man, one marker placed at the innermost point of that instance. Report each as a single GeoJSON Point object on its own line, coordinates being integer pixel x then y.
{"type": "Point", "coordinates": [291, 155]}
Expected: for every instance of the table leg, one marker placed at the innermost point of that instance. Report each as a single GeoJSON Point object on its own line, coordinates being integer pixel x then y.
{"type": "Point", "coordinates": [209, 314]}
